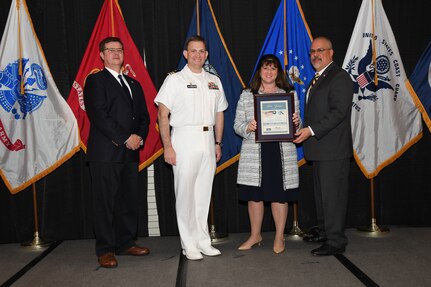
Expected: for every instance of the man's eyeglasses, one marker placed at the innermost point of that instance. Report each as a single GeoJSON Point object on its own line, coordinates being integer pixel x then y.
{"type": "Point", "coordinates": [114, 50]}
{"type": "Point", "coordinates": [319, 51]}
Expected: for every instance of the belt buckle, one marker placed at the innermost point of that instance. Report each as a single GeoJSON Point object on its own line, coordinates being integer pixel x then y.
{"type": "Point", "coordinates": [205, 128]}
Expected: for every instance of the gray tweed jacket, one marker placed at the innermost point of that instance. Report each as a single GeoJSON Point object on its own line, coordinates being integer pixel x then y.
{"type": "Point", "coordinates": [249, 169]}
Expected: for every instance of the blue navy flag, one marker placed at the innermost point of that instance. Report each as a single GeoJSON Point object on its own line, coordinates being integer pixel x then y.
{"type": "Point", "coordinates": [289, 38]}
{"type": "Point", "coordinates": [221, 64]}
{"type": "Point", "coordinates": [421, 83]}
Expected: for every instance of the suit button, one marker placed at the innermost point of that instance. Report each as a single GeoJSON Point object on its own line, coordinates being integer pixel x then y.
{"type": "Point", "coordinates": [133, 118]}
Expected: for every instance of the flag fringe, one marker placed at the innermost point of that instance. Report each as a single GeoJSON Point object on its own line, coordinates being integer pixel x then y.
{"type": "Point", "coordinates": [40, 175]}
{"type": "Point", "coordinates": [150, 160]}
{"type": "Point", "coordinates": [387, 162]}
{"type": "Point", "coordinates": [227, 163]}
{"type": "Point", "coordinates": [419, 105]}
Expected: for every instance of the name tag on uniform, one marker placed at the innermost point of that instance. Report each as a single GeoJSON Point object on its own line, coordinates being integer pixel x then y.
{"type": "Point", "coordinates": [212, 86]}
{"type": "Point", "coordinates": [191, 86]}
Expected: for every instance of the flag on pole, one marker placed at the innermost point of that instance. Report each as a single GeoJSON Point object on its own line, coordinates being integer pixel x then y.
{"type": "Point", "coordinates": [289, 38]}
{"type": "Point", "coordinates": [420, 81]}
{"type": "Point", "coordinates": [111, 24]}
{"type": "Point", "coordinates": [38, 131]}
{"type": "Point", "coordinates": [385, 119]}
{"type": "Point", "coordinates": [221, 64]}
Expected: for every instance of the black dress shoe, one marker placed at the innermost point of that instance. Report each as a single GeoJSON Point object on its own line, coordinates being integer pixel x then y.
{"type": "Point", "coordinates": [313, 236]}
{"type": "Point", "coordinates": [327, 250]}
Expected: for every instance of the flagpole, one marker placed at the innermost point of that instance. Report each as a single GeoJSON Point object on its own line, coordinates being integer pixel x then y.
{"type": "Point", "coordinates": [197, 18]}
{"type": "Point", "coordinates": [36, 243]}
{"type": "Point", "coordinates": [373, 229]}
{"type": "Point", "coordinates": [295, 231]}
{"type": "Point", "coordinates": [214, 235]}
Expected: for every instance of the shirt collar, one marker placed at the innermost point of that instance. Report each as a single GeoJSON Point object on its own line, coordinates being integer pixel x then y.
{"type": "Point", "coordinates": [323, 70]}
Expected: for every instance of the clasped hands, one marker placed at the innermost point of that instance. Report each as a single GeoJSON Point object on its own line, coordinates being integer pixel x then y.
{"type": "Point", "coordinates": [133, 142]}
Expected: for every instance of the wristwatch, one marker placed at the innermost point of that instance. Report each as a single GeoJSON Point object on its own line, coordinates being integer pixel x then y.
{"type": "Point", "coordinates": [219, 143]}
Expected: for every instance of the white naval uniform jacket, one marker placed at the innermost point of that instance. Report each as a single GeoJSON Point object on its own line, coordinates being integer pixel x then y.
{"type": "Point", "coordinates": [192, 99]}
{"type": "Point", "coordinates": [249, 168]}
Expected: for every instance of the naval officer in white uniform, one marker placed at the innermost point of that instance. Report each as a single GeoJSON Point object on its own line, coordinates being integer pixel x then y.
{"type": "Point", "coordinates": [192, 102]}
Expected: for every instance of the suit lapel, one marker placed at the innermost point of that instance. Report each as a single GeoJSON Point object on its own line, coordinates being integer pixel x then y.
{"type": "Point", "coordinates": [118, 88]}
{"type": "Point", "coordinates": [318, 83]}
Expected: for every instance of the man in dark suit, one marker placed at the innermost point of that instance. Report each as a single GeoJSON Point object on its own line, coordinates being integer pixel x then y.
{"type": "Point", "coordinates": [119, 120]}
{"type": "Point", "coordinates": [327, 144]}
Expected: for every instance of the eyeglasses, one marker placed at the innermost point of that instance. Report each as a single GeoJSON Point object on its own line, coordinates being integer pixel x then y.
{"type": "Point", "coordinates": [114, 50]}
{"type": "Point", "coordinates": [319, 51]}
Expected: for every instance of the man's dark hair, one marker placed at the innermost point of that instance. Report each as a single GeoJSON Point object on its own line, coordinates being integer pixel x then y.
{"type": "Point", "coordinates": [194, 38]}
{"type": "Point", "coordinates": [102, 44]}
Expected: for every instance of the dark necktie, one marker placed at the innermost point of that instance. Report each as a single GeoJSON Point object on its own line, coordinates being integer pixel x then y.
{"type": "Point", "coordinates": [313, 81]}
{"type": "Point", "coordinates": [125, 88]}
{"type": "Point", "coordinates": [316, 77]}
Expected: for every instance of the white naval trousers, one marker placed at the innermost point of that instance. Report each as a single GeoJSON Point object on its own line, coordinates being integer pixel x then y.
{"type": "Point", "coordinates": [193, 176]}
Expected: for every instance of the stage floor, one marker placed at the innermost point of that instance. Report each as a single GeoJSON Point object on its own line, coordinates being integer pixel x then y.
{"type": "Point", "coordinates": [400, 258]}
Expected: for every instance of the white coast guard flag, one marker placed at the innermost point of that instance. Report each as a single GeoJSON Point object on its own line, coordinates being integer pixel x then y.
{"type": "Point", "coordinates": [385, 120]}
{"type": "Point", "coordinates": [38, 131]}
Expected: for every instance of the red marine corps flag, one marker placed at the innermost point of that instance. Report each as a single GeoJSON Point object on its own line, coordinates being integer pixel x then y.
{"type": "Point", "coordinates": [111, 24]}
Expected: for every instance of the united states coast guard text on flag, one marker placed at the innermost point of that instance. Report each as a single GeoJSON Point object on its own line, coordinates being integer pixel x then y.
{"type": "Point", "coordinates": [289, 38]}
{"type": "Point", "coordinates": [385, 120]}
{"type": "Point", "coordinates": [38, 131]}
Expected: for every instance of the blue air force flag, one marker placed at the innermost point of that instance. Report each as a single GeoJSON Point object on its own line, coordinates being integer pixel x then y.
{"type": "Point", "coordinates": [421, 83]}
{"type": "Point", "coordinates": [221, 64]}
{"type": "Point", "coordinates": [385, 119]}
{"type": "Point", "coordinates": [289, 38]}
{"type": "Point", "coordinates": [38, 131]}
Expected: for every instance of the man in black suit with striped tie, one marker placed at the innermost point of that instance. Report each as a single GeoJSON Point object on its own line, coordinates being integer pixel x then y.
{"type": "Point", "coordinates": [327, 142]}
{"type": "Point", "coordinates": [119, 120]}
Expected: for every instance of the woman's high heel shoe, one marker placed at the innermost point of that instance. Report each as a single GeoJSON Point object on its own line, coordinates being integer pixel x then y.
{"type": "Point", "coordinates": [246, 246]}
{"type": "Point", "coordinates": [278, 250]}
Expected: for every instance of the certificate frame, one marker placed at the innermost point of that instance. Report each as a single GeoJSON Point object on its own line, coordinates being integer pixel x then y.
{"type": "Point", "coordinates": [273, 114]}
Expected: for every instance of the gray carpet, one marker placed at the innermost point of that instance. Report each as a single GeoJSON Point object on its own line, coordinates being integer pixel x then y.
{"type": "Point", "coordinates": [401, 258]}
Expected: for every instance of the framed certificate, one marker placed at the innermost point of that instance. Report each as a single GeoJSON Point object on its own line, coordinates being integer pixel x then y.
{"type": "Point", "coordinates": [273, 114]}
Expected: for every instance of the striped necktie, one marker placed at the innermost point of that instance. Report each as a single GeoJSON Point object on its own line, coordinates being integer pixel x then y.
{"type": "Point", "coordinates": [316, 77]}
{"type": "Point", "coordinates": [313, 81]}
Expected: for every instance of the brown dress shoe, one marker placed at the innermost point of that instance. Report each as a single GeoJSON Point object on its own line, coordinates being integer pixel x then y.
{"type": "Point", "coordinates": [137, 251]}
{"type": "Point", "coordinates": [108, 260]}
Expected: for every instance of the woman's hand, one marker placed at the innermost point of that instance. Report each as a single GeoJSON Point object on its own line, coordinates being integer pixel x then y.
{"type": "Point", "coordinates": [251, 126]}
{"type": "Point", "coordinates": [295, 119]}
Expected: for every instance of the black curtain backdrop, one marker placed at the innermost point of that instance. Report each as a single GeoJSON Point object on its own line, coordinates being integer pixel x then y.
{"type": "Point", "coordinates": [158, 28]}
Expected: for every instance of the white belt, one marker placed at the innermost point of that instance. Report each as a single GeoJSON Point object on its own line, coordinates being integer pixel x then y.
{"type": "Point", "coordinates": [195, 128]}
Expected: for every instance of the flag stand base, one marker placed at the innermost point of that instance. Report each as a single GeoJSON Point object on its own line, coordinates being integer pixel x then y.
{"type": "Point", "coordinates": [217, 237]}
{"type": "Point", "coordinates": [374, 230]}
{"type": "Point", "coordinates": [295, 232]}
{"type": "Point", "coordinates": [36, 243]}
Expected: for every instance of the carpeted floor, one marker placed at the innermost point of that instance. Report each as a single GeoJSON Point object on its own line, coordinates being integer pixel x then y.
{"type": "Point", "coordinates": [400, 258]}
